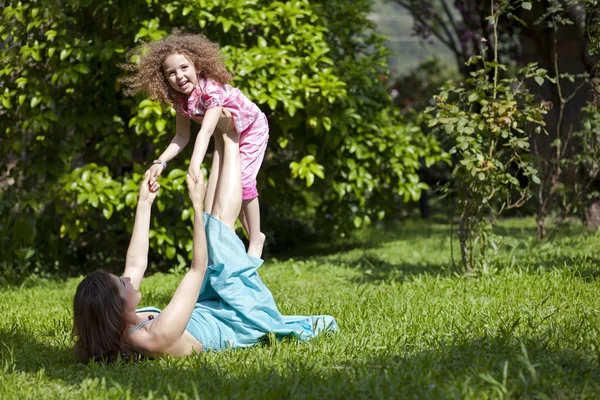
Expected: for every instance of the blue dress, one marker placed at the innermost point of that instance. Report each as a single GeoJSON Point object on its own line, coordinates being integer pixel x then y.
{"type": "Point", "coordinates": [235, 308]}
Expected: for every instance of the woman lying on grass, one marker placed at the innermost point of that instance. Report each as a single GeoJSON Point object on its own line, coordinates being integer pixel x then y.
{"type": "Point", "coordinates": [221, 301]}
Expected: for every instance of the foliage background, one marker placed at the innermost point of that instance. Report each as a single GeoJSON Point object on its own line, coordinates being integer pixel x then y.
{"type": "Point", "coordinates": [74, 147]}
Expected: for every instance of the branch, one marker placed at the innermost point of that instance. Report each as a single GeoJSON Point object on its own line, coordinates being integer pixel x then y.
{"type": "Point", "coordinates": [521, 201]}
{"type": "Point", "coordinates": [449, 15]}
{"type": "Point", "coordinates": [451, 43]}
{"type": "Point", "coordinates": [582, 84]}
{"type": "Point", "coordinates": [448, 42]}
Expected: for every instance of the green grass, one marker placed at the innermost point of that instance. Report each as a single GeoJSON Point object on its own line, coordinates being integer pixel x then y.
{"type": "Point", "coordinates": [410, 327]}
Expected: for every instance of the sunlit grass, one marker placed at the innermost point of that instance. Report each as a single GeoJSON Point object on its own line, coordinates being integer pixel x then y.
{"type": "Point", "coordinates": [410, 327]}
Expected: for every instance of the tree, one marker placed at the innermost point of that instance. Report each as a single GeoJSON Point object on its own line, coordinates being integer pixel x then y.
{"type": "Point", "coordinates": [551, 33]}
{"type": "Point", "coordinates": [592, 12]}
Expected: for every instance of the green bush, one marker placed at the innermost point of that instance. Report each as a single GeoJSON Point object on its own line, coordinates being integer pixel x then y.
{"type": "Point", "coordinates": [486, 122]}
{"type": "Point", "coordinates": [338, 154]}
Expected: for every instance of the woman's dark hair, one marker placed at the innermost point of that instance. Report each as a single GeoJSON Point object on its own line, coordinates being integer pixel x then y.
{"type": "Point", "coordinates": [99, 320]}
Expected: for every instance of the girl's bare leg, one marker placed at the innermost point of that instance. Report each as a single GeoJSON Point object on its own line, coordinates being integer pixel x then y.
{"type": "Point", "coordinates": [228, 194]}
{"type": "Point", "coordinates": [250, 218]}
{"type": "Point", "coordinates": [215, 171]}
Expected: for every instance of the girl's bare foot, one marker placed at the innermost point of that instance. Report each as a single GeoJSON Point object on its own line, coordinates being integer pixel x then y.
{"type": "Point", "coordinates": [255, 247]}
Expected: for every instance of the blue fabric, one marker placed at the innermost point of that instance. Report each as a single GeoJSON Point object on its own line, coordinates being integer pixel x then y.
{"type": "Point", "coordinates": [235, 308]}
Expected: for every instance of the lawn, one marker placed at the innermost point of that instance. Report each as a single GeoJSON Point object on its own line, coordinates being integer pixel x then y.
{"type": "Point", "coordinates": [410, 327]}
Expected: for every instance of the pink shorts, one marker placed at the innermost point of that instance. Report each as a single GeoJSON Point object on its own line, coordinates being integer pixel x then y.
{"type": "Point", "coordinates": [253, 144]}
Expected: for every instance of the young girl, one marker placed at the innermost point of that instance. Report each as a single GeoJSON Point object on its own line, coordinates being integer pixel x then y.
{"type": "Point", "coordinates": [187, 72]}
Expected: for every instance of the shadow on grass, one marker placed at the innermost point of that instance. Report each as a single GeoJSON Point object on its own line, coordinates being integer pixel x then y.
{"type": "Point", "coordinates": [375, 270]}
{"type": "Point", "coordinates": [445, 370]}
{"type": "Point", "coordinates": [555, 232]}
{"type": "Point", "coordinates": [26, 353]}
{"type": "Point", "coordinates": [581, 266]}
{"type": "Point", "coordinates": [373, 237]}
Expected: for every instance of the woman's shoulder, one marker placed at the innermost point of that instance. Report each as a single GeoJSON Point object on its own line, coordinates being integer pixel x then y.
{"type": "Point", "coordinates": [143, 339]}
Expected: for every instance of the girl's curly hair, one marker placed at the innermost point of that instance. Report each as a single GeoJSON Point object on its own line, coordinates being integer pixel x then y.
{"type": "Point", "coordinates": [148, 76]}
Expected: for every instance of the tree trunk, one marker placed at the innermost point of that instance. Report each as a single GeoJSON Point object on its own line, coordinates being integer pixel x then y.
{"type": "Point", "coordinates": [540, 44]}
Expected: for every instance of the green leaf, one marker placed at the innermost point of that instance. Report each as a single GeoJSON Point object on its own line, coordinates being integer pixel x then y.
{"type": "Point", "coordinates": [64, 53]}
{"type": "Point", "coordinates": [526, 5]}
{"type": "Point", "coordinates": [6, 102]}
{"type": "Point", "coordinates": [50, 34]}
{"type": "Point", "coordinates": [310, 179]}
{"type": "Point", "coordinates": [539, 80]}
{"type": "Point", "coordinates": [160, 125]}
{"type": "Point", "coordinates": [185, 214]}
{"type": "Point", "coordinates": [318, 171]}
{"type": "Point", "coordinates": [93, 199]}
{"type": "Point", "coordinates": [171, 251]}
{"type": "Point", "coordinates": [35, 101]}
{"type": "Point", "coordinates": [107, 212]}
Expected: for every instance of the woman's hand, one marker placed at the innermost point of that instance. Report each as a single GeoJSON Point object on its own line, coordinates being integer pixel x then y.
{"type": "Point", "coordinates": [148, 191]}
{"type": "Point", "coordinates": [196, 189]}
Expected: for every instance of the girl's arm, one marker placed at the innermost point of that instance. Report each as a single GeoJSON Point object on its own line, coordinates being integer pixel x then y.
{"type": "Point", "coordinates": [173, 319]}
{"type": "Point", "coordinates": [136, 260]}
{"type": "Point", "coordinates": [211, 119]}
{"type": "Point", "coordinates": [181, 139]}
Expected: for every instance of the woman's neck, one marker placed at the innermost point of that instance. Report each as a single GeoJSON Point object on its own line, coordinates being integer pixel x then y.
{"type": "Point", "coordinates": [133, 318]}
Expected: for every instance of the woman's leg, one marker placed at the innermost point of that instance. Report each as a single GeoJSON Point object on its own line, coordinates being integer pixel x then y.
{"type": "Point", "coordinates": [228, 194]}
{"type": "Point", "coordinates": [215, 170]}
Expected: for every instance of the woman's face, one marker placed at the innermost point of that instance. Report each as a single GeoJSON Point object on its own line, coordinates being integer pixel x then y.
{"type": "Point", "coordinates": [128, 293]}
{"type": "Point", "coordinates": [181, 73]}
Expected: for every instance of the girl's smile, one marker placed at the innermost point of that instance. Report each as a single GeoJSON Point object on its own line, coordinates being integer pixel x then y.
{"type": "Point", "coordinates": [181, 73]}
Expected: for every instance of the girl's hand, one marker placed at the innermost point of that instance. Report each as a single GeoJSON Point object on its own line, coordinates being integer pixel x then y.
{"type": "Point", "coordinates": [196, 189]}
{"type": "Point", "coordinates": [148, 190]}
{"type": "Point", "coordinates": [154, 172]}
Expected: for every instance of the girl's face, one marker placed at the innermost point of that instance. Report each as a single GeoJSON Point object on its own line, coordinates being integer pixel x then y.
{"type": "Point", "coordinates": [181, 73]}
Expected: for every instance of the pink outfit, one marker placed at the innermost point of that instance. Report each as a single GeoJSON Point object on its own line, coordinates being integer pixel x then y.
{"type": "Point", "coordinates": [249, 121]}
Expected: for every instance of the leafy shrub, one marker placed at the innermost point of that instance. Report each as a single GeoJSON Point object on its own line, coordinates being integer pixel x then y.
{"type": "Point", "coordinates": [338, 152]}
{"type": "Point", "coordinates": [485, 121]}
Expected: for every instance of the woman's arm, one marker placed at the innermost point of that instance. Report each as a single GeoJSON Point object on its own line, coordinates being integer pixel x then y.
{"type": "Point", "coordinates": [136, 260]}
{"type": "Point", "coordinates": [173, 319]}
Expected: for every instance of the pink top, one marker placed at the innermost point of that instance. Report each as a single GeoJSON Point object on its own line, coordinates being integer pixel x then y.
{"type": "Point", "coordinates": [209, 94]}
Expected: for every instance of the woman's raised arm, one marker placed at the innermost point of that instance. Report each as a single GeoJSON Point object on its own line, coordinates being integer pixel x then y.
{"type": "Point", "coordinates": [173, 319]}
{"type": "Point", "coordinates": [136, 261]}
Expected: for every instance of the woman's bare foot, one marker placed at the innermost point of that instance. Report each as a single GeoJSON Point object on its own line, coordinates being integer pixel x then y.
{"type": "Point", "coordinates": [255, 247]}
